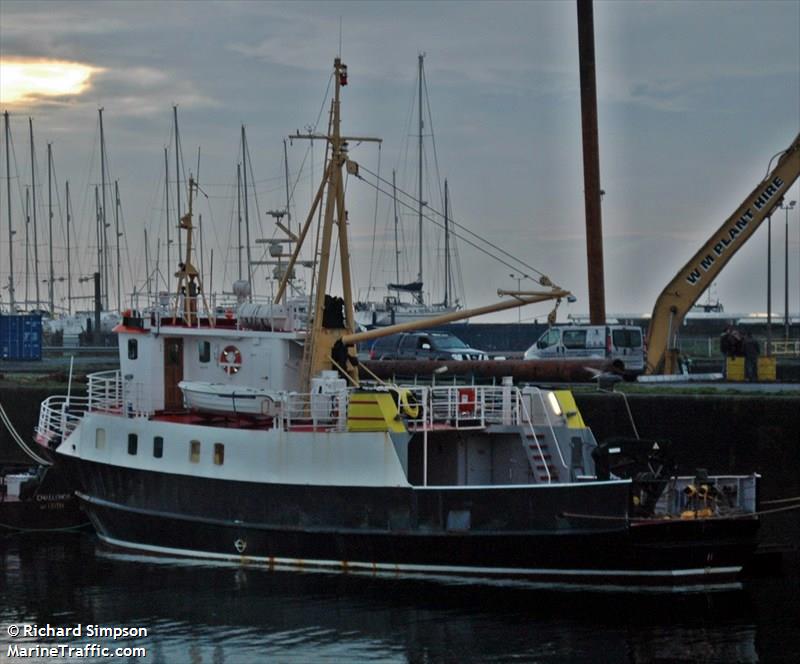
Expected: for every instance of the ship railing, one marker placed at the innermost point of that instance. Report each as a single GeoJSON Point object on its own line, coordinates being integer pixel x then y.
{"type": "Point", "coordinates": [316, 411]}
{"type": "Point", "coordinates": [105, 391]}
{"type": "Point", "coordinates": [58, 417]}
{"type": "Point", "coordinates": [721, 494]}
{"type": "Point", "coordinates": [540, 415]}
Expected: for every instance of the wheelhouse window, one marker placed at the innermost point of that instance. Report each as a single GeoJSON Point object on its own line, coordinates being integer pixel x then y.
{"type": "Point", "coordinates": [158, 447]}
{"type": "Point", "coordinates": [133, 443]}
{"type": "Point", "coordinates": [219, 454]}
{"type": "Point", "coordinates": [204, 351]}
{"type": "Point", "coordinates": [100, 439]}
{"type": "Point", "coordinates": [194, 451]}
{"type": "Point", "coordinates": [133, 349]}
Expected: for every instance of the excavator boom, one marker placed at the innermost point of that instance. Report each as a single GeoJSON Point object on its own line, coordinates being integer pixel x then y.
{"type": "Point", "coordinates": [695, 277]}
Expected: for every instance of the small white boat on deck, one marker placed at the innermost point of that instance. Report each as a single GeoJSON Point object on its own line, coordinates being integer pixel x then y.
{"type": "Point", "coordinates": [226, 399]}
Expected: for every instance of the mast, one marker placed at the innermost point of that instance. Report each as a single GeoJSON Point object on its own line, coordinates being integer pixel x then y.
{"type": "Point", "coordinates": [239, 214]}
{"type": "Point", "coordinates": [246, 214]}
{"type": "Point", "coordinates": [27, 243]}
{"type": "Point", "coordinates": [103, 209]}
{"type": "Point", "coordinates": [396, 245]}
{"type": "Point", "coordinates": [286, 179]}
{"type": "Point", "coordinates": [10, 228]}
{"type": "Point", "coordinates": [419, 190]}
{"type": "Point", "coordinates": [35, 230]}
{"type": "Point", "coordinates": [166, 207]}
{"type": "Point", "coordinates": [177, 176]}
{"type": "Point", "coordinates": [147, 268]}
{"type": "Point", "coordinates": [98, 219]}
{"type": "Point", "coordinates": [446, 246]}
{"type": "Point", "coordinates": [117, 233]}
{"type": "Point", "coordinates": [50, 225]}
{"type": "Point", "coordinates": [69, 258]}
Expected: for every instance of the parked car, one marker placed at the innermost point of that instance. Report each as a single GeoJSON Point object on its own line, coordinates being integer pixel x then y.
{"type": "Point", "coordinates": [424, 346]}
{"type": "Point", "coordinates": [623, 345]}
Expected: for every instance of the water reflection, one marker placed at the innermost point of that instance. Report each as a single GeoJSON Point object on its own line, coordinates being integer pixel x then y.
{"type": "Point", "coordinates": [213, 614]}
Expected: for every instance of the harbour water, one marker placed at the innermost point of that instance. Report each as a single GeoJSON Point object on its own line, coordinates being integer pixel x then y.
{"type": "Point", "coordinates": [229, 614]}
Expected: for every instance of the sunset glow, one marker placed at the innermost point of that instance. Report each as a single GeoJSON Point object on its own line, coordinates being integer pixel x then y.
{"type": "Point", "coordinates": [26, 80]}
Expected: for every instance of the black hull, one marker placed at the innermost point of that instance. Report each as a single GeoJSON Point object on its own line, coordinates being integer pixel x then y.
{"type": "Point", "coordinates": [488, 532]}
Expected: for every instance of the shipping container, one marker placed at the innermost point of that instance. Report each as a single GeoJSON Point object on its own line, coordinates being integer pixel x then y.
{"type": "Point", "coordinates": [21, 337]}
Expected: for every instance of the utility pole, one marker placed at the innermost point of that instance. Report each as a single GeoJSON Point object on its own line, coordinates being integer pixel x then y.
{"type": "Point", "coordinates": [10, 226]}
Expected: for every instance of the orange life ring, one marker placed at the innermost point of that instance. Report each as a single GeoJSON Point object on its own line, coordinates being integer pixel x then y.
{"type": "Point", "coordinates": [229, 314]}
{"type": "Point", "coordinates": [230, 360]}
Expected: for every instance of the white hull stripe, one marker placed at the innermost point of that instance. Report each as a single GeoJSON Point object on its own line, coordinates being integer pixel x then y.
{"type": "Point", "coordinates": [436, 569]}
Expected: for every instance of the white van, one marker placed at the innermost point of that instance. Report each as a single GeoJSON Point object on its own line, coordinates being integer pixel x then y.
{"type": "Point", "coordinates": [623, 345]}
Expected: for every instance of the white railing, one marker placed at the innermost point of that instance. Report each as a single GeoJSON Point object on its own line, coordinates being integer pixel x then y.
{"type": "Point", "coordinates": [326, 411]}
{"type": "Point", "coordinates": [105, 391]}
{"type": "Point", "coordinates": [58, 417]}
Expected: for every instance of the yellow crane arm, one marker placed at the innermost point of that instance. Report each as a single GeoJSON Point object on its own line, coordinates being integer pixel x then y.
{"type": "Point", "coordinates": [696, 276]}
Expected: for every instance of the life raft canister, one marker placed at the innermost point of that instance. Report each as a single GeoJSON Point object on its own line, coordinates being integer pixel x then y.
{"type": "Point", "coordinates": [230, 359]}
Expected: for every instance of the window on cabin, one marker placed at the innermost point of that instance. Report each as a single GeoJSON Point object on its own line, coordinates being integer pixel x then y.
{"type": "Point", "coordinates": [194, 451]}
{"type": "Point", "coordinates": [100, 439]}
{"type": "Point", "coordinates": [204, 350]}
{"type": "Point", "coordinates": [133, 349]}
{"type": "Point", "coordinates": [219, 454]}
{"type": "Point", "coordinates": [158, 447]}
{"type": "Point", "coordinates": [133, 443]}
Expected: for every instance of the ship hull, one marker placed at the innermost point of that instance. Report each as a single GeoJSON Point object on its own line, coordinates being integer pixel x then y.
{"type": "Point", "coordinates": [526, 532]}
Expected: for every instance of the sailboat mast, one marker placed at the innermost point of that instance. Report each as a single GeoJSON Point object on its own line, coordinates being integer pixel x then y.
{"type": "Point", "coordinates": [103, 209]}
{"type": "Point", "coordinates": [446, 246]}
{"type": "Point", "coordinates": [10, 228]}
{"type": "Point", "coordinates": [98, 219]}
{"type": "Point", "coordinates": [118, 234]}
{"type": "Point", "coordinates": [50, 226]}
{"type": "Point", "coordinates": [177, 176]}
{"type": "Point", "coordinates": [69, 257]}
{"type": "Point", "coordinates": [286, 180]}
{"type": "Point", "coordinates": [419, 190]}
{"type": "Point", "coordinates": [147, 268]}
{"type": "Point", "coordinates": [27, 243]}
{"type": "Point", "coordinates": [396, 245]}
{"type": "Point", "coordinates": [239, 214]}
{"type": "Point", "coordinates": [35, 231]}
{"type": "Point", "coordinates": [246, 213]}
{"type": "Point", "coordinates": [166, 209]}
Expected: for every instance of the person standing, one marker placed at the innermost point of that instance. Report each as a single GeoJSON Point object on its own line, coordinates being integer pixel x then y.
{"type": "Point", "coordinates": [751, 352]}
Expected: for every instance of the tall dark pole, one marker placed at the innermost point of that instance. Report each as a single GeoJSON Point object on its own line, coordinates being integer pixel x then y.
{"type": "Point", "coordinates": [246, 213]}
{"type": "Point", "coordinates": [239, 215]}
{"type": "Point", "coordinates": [786, 207]}
{"type": "Point", "coordinates": [10, 227]}
{"type": "Point", "coordinates": [446, 246]}
{"type": "Point", "coordinates": [118, 234]}
{"type": "Point", "coordinates": [591, 163]}
{"type": "Point", "coordinates": [419, 191]}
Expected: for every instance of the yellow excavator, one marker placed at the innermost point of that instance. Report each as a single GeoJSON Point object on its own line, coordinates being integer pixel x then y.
{"type": "Point", "coordinates": [696, 276]}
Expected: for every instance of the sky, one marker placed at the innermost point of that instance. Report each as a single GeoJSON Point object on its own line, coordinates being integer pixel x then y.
{"type": "Point", "coordinates": [694, 98]}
